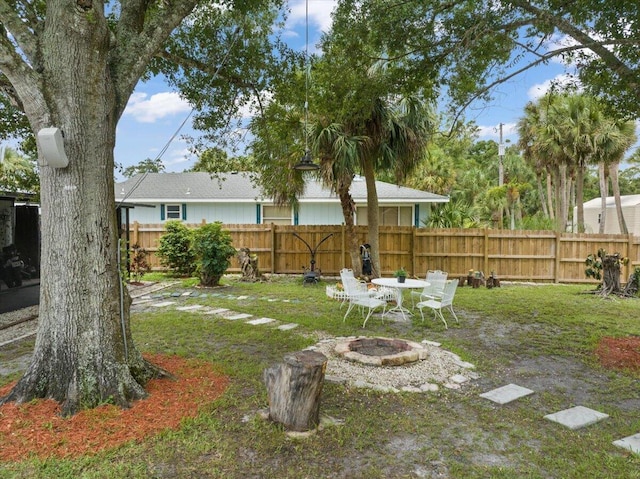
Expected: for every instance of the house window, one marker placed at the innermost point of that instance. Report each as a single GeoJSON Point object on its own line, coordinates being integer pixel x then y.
{"type": "Point", "coordinates": [279, 215]}
{"type": "Point", "coordinates": [174, 212]}
{"type": "Point", "coordinates": [387, 215]}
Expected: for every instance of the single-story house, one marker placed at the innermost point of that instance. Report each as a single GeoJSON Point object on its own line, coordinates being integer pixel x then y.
{"type": "Point", "coordinates": [232, 198]}
{"type": "Point", "coordinates": [630, 211]}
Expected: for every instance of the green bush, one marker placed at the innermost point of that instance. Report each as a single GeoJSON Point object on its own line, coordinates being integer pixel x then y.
{"type": "Point", "coordinates": [213, 247]}
{"type": "Point", "coordinates": [175, 249]}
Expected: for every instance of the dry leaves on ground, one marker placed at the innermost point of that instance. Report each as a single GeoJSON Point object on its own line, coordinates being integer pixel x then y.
{"type": "Point", "coordinates": [36, 429]}
{"type": "Point", "coordinates": [619, 353]}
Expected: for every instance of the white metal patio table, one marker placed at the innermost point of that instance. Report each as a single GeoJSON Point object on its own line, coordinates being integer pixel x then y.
{"type": "Point", "coordinates": [408, 284]}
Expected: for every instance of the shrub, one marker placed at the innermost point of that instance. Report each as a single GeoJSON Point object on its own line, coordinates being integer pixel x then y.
{"type": "Point", "coordinates": [213, 247]}
{"type": "Point", "coordinates": [175, 249]}
{"type": "Point", "coordinates": [139, 265]}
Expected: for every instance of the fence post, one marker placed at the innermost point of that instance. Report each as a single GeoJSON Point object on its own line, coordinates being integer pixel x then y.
{"type": "Point", "coordinates": [413, 250]}
{"type": "Point", "coordinates": [556, 272]}
{"type": "Point", "coordinates": [136, 232]}
{"type": "Point", "coordinates": [485, 260]}
{"type": "Point", "coordinates": [273, 249]}
{"type": "Point", "coordinates": [343, 248]}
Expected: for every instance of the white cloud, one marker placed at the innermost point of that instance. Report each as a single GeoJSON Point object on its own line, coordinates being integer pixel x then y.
{"type": "Point", "coordinates": [149, 109]}
{"type": "Point", "coordinates": [561, 81]}
{"type": "Point", "coordinates": [492, 132]}
{"type": "Point", "coordinates": [319, 13]}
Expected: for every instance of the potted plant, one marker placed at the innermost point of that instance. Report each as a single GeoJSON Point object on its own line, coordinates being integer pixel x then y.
{"type": "Point", "coordinates": [401, 274]}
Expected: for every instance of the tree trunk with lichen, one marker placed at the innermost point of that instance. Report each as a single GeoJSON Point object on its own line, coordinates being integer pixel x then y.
{"type": "Point", "coordinates": [79, 82]}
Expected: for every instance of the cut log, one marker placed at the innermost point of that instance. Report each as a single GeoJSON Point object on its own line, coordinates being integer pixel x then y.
{"type": "Point", "coordinates": [294, 388]}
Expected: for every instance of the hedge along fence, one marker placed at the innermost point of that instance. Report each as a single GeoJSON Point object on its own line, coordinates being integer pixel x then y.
{"type": "Point", "coordinates": [538, 256]}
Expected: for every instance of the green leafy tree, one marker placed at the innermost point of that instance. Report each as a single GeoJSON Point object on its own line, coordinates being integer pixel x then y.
{"type": "Point", "coordinates": [73, 66]}
{"type": "Point", "coordinates": [216, 160]}
{"type": "Point", "coordinates": [175, 248]}
{"type": "Point", "coordinates": [214, 249]}
{"type": "Point", "coordinates": [18, 173]}
{"type": "Point", "coordinates": [145, 166]}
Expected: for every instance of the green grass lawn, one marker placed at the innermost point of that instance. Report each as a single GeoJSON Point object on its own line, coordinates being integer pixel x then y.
{"type": "Point", "coordinates": [541, 337]}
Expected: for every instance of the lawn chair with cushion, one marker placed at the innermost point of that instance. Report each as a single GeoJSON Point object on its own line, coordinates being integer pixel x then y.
{"type": "Point", "coordinates": [438, 304]}
{"type": "Point", "coordinates": [436, 280]}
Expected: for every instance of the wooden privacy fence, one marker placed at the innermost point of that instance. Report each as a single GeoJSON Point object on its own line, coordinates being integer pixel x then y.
{"type": "Point", "coordinates": [538, 256]}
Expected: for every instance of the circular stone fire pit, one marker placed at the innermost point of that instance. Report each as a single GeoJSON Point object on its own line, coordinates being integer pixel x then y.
{"type": "Point", "coordinates": [381, 351]}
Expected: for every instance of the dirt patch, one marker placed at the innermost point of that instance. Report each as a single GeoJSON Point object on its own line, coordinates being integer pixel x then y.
{"type": "Point", "coordinates": [37, 429]}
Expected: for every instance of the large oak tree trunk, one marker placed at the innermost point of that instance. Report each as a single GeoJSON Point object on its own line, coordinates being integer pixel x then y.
{"type": "Point", "coordinates": [84, 354]}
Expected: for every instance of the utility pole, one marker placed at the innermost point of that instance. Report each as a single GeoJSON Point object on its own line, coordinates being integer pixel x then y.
{"type": "Point", "coordinates": [500, 158]}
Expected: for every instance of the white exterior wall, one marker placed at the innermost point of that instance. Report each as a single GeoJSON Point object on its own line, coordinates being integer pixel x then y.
{"type": "Point", "coordinates": [631, 216]}
{"type": "Point", "coordinates": [230, 213]}
{"type": "Point", "coordinates": [320, 214]}
{"type": "Point", "coordinates": [245, 213]}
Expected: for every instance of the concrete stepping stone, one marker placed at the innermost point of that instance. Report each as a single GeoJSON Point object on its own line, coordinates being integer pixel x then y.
{"type": "Point", "coordinates": [186, 293]}
{"type": "Point", "coordinates": [217, 311]}
{"type": "Point", "coordinates": [632, 443]}
{"type": "Point", "coordinates": [577, 417]}
{"type": "Point", "coordinates": [163, 304]}
{"type": "Point", "coordinates": [237, 316]}
{"type": "Point", "coordinates": [287, 327]}
{"type": "Point", "coordinates": [193, 307]}
{"type": "Point", "coordinates": [506, 394]}
{"type": "Point", "coordinates": [242, 297]}
{"type": "Point", "coordinates": [258, 321]}
{"type": "Point", "coordinates": [176, 295]}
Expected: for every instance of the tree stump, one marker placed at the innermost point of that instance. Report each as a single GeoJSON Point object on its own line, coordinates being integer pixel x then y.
{"type": "Point", "coordinates": [610, 274]}
{"type": "Point", "coordinates": [294, 388]}
{"type": "Point", "coordinates": [248, 265]}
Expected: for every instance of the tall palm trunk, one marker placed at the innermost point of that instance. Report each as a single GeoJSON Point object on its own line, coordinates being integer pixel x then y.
{"type": "Point", "coordinates": [613, 174]}
{"type": "Point", "coordinates": [580, 196]}
{"type": "Point", "coordinates": [372, 216]}
{"type": "Point", "coordinates": [550, 196]}
{"type": "Point", "coordinates": [347, 204]}
{"type": "Point", "coordinates": [604, 192]}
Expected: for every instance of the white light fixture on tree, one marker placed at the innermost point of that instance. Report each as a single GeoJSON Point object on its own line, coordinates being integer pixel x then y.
{"type": "Point", "coordinates": [306, 163]}
{"type": "Point", "coordinates": [51, 143]}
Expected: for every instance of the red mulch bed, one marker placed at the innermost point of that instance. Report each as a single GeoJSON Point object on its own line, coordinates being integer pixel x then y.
{"type": "Point", "coordinates": [619, 353]}
{"type": "Point", "coordinates": [36, 429]}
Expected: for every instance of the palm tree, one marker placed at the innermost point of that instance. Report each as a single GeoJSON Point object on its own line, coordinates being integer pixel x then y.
{"type": "Point", "coordinates": [396, 133]}
{"type": "Point", "coordinates": [528, 133]}
{"type": "Point", "coordinates": [577, 119]}
{"type": "Point", "coordinates": [612, 141]}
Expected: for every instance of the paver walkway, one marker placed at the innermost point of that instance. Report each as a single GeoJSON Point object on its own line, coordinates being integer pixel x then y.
{"type": "Point", "coordinates": [574, 418]}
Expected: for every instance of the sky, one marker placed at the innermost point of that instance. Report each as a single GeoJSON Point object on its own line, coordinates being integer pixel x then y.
{"type": "Point", "coordinates": [154, 115]}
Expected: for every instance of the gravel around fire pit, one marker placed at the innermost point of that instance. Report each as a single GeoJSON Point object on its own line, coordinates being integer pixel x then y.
{"type": "Point", "coordinates": [440, 368]}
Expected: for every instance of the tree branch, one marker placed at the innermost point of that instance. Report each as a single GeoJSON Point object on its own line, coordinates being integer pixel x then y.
{"type": "Point", "coordinates": [142, 29]}
{"type": "Point", "coordinates": [21, 28]}
{"type": "Point", "coordinates": [599, 48]}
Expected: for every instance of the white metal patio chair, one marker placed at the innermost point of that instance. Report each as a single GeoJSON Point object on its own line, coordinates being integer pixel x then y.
{"type": "Point", "coordinates": [358, 294]}
{"type": "Point", "coordinates": [438, 304]}
{"type": "Point", "coordinates": [436, 280]}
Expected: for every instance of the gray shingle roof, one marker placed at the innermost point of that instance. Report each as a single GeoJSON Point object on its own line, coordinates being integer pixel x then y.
{"type": "Point", "coordinates": [238, 187]}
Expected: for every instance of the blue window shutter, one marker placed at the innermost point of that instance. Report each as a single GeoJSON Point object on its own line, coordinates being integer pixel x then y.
{"type": "Point", "coordinates": [258, 217]}
{"type": "Point", "coordinates": [184, 212]}
{"type": "Point", "coordinates": [162, 215]}
{"type": "Point", "coordinates": [416, 220]}
{"type": "Point", "coordinates": [296, 220]}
